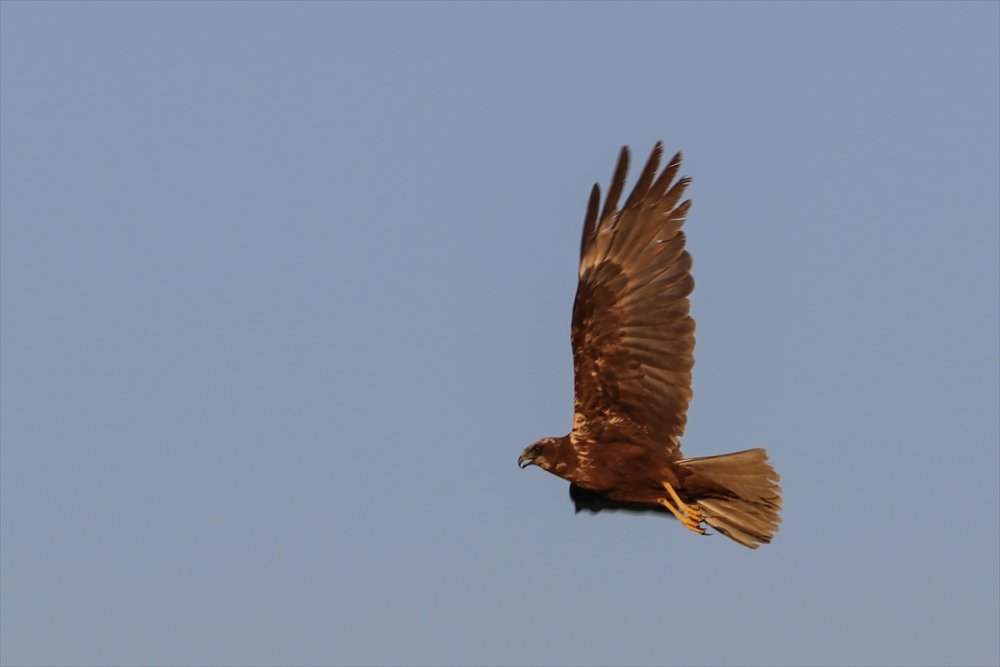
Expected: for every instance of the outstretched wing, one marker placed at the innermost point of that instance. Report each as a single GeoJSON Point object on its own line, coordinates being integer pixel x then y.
{"type": "Point", "coordinates": [633, 339]}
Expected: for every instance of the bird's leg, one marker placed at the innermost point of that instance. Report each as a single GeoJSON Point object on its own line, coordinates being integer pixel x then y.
{"type": "Point", "coordinates": [688, 515]}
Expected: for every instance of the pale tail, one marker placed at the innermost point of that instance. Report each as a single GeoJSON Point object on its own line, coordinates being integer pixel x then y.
{"type": "Point", "coordinates": [750, 515]}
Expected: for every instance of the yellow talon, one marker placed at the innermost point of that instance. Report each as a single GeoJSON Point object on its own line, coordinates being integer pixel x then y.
{"type": "Point", "coordinates": [686, 514]}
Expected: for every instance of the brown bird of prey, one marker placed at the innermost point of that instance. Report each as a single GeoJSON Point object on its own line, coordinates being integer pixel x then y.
{"type": "Point", "coordinates": [633, 350]}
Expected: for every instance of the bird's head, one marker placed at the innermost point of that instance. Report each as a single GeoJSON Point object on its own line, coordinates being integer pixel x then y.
{"type": "Point", "coordinates": [541, 454]}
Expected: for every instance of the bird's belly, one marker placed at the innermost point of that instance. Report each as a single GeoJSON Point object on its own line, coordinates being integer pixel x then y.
{"type": "Point", "coordinates": [626, 479]}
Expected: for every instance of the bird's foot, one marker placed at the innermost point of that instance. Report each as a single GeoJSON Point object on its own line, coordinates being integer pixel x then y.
{"type": "Point", "coordinates": [689, 515]}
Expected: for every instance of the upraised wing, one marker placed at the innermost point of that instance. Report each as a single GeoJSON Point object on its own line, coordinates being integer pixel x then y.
{"type": "Point", "coordinates": [633, 339]}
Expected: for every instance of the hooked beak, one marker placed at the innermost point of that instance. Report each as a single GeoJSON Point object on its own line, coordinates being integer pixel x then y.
{"type": "Point", "coordinates": [525, 460]}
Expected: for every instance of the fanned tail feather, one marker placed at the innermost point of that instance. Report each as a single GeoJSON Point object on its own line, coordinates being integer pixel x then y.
{"type": "Point", "coordinates": [745, 501]}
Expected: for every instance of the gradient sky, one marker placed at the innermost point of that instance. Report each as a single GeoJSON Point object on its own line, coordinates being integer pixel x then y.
{"type": "Point", "coordinates": [286, 289]}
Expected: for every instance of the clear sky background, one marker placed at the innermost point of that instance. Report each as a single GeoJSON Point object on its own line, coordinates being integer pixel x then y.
{"type": "Point", "coordinates": [286, 289]}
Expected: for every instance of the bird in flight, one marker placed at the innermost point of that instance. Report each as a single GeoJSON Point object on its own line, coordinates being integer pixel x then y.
{"type": "Point", "coordinates": [633, 350]}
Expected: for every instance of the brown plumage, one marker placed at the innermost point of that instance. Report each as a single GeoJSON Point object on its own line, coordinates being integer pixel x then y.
{"type": "Point", "coordinates": [633, 350]}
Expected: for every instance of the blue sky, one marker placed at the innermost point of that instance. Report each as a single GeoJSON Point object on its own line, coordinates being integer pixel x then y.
{"type": "Point", "coordinates": [286, 289]}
